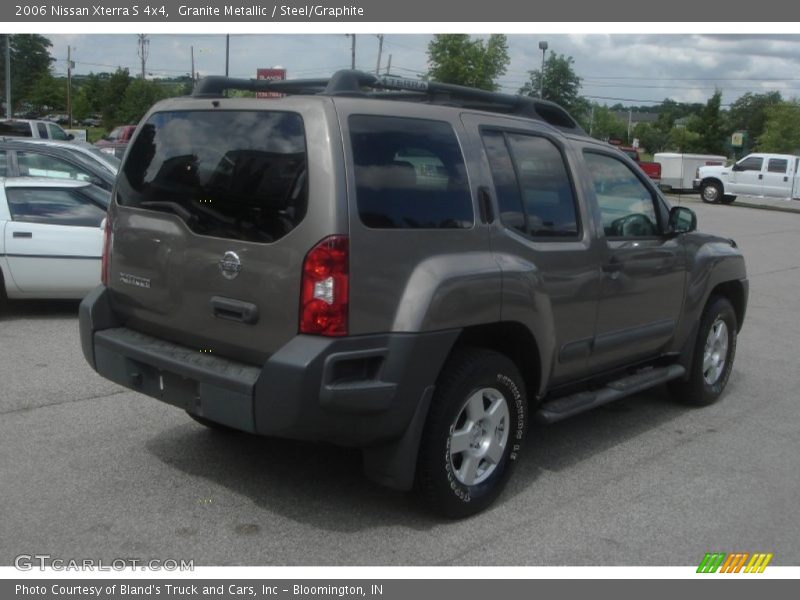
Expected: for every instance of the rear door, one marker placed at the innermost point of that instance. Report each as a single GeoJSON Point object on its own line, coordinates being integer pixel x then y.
{"type": "Point", "coordinates": [778, 177]}
{"type": "Point", "coordinates": [542, 225]}
{"type": "Point", "coordinates": [53, 241]}
{"type": "Point", "coordinates": [214, 212]}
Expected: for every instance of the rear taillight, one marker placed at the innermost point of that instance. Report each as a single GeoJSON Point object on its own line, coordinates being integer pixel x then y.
{"type": "Point", "coordinates": [105, 263]}
{"type": "Point", "coordinates": [325, 288]}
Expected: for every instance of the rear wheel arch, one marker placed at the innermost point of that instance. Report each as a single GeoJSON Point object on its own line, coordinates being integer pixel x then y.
{"type": "Point", "coordinates": [511, 339]}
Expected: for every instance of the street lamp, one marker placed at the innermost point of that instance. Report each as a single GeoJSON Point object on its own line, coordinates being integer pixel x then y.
{"type": "Point", "coordinates": [543, 48]}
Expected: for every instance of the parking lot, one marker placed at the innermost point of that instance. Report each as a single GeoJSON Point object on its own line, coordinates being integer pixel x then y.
{"type": "Point", "coordinates": [89, 470]}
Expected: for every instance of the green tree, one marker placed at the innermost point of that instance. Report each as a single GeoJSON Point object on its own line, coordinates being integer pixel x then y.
{"type": "Point", "coordinates": [48, 93]}
{"type": "Point", "coordinates": [682, 139]}
{"type": "Point", "coordinates": [459, 59]}
{"type": "Point", "coordinates": [561, 84]}
{"type": "Point", "coordinates": [651, 137]}
{"type": "Point", "coordinates": [605, 125]}
{"type": "Point", "coordinates": [749, 113]}
{"type": "Point", "coordinates": [710, 127]}
{"type": "Point", "coordinates": [781, 129]}
{"type": "Point", "coordinates": [139, 96]}
{"type": "Point", "coordinates": [112, 97]}
{"type": "Point", "coordinates": [30, 60]}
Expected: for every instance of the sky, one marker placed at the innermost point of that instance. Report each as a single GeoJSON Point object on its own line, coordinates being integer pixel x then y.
{"type": "Point", "coordinates": [627, 68]}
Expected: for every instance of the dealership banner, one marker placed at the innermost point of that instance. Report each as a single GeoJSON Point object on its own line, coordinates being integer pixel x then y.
{"type": "Point", "coordinates": [392, 589]}
{"type": "Point", "coordinates": [462, 11]}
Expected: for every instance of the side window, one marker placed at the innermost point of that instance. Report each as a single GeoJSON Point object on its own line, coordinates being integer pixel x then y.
{"type": "Point", "coordinates": [43, 165]}
{"type": "Point", "coordinates": [533, 188]}
{"type": "Point", "coordinates": [3, 163]}
{"type": "Point", "coordinates": [752, 163]}
{"type": "Point", "coordinates": [777, 165]}
{"type": "Point", "coordinates": [57, 133]}
{"type": "Point", "coordinates": [626, 205]}
{"type": "Point", "coordinates": [546, 190]}
{"type": "Point", "coordinates": [53, 206]}
{"type": "Point", "coordinates": [505, 180]}
{"type": "Point", "coordinates": [409, 173]}
{"type": "Point", "coordinates": [42, 128]}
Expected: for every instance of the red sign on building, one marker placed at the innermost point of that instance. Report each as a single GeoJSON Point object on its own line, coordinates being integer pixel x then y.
{"type": "Point", "coordinates": [270, 74]}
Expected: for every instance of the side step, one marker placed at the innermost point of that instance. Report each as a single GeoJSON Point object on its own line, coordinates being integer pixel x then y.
{"type": "Point", "coordinates": [561, 408]}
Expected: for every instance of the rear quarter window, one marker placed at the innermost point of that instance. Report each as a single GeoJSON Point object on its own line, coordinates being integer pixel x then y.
{"type": "Point", "coordinates": [409, 174]}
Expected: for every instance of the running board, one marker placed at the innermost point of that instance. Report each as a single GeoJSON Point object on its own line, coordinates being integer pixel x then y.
{"type": "Point", "coordinates": [561, 408]}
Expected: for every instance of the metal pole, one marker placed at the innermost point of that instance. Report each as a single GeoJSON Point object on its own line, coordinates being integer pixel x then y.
{"type": "Point", "coordinates": [380, 51]}
{"type": "Point", "coordinates": [191, 49]}
{"type": "Point", "coordinates": [591, 121]}
{"type": "Point", "coordinates": [8, 76]}
{"type": "Point", "coordinates": [69, 86]}
{"type": "Point", "coordinates": [543, 48]}
{"type": "Point", "coordinates": [352, 51]}
{"type": "Point", "coordinates": [630, 119]}
{"type": "Point", "coordinates": [227, 52]}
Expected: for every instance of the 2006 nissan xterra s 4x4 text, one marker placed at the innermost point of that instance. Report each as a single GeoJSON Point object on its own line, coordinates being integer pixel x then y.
{"type": "Point", "coordinates": [411, 268]}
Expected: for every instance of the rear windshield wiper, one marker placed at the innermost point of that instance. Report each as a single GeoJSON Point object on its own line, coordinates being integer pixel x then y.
{"type": "Point", "coordinates": [167, 205]}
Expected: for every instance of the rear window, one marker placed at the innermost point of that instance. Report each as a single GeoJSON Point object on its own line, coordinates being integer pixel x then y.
{"type": "Point", "coordinates": [232, 174]}
{"type": "Point", "coordinates": [409, 173]}
{"type": "Point", "coordinates": [15, 128]}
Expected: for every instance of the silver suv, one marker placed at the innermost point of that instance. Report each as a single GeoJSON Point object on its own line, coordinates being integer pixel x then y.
{"type": "Point", "coordinates": [411, 268]}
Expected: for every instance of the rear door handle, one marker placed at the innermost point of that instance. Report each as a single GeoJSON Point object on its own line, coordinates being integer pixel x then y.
{"type": "Point", "coordinates": [761, 176]}
{"type": "Point", "coordinates": [485, 202]}
{"type": "Point", "coordinates": [22, 234]}
{"type": "Point", "coordinates": [234, 310]}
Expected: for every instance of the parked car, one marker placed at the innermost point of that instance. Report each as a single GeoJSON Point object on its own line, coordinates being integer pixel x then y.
{"type": "Point", "coordinates": [770, 175]}
{"type": "Point", "coordinates": [418, 274]}
{"type": "Point", "coordinates": [651, 169]}
{"type": "Point", "coordinates": [62, 160]}
{"type": "Point", "coordinates": [27, 128]}
{"type": "Point", "coordinates": [117, 140]}
{"type": "Point", "coordinates": [51, 241]}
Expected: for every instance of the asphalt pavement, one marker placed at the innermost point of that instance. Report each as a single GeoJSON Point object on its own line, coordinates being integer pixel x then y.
{"type": "Point", "coordinates": [89, 470]}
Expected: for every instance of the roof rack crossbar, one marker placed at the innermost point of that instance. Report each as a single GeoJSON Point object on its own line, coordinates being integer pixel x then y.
{"type": "Point", "coordinates": [358, 83]}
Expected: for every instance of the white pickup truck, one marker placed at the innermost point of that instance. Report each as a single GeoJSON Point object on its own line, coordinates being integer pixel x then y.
{"type": "Point", "coordinates": [773, 175]}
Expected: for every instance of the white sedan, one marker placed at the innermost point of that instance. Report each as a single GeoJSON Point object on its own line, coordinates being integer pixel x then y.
{"type": "Point", "coordinates": [51, 238]}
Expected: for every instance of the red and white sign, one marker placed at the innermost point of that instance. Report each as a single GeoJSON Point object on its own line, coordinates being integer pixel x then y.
{"type": "Point", "coordinates": [270, 74]}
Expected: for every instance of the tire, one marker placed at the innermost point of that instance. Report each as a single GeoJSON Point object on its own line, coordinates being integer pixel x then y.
{"type": "Point", "coordinates": [476, 387]}
{"type": "Point", "coordinates": [711, 192]}
{"type": "Point", "coordinates": [728, 199]}
{"type": "Point", "coordinates": [212, 424]}
{"type": "Point", "coordinates": [3, 296]}
{"type": "Point", "coordinates": [714, 352]}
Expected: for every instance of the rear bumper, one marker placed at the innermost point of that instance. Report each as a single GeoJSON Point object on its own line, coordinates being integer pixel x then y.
{"type": "Point", "coordinates": [355, 391]}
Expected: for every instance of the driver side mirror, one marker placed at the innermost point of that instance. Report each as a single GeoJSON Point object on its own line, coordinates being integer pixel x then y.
{"type": "Point", "coordinates": [682, 220]}
{"type": "Point", "coordinates": [737, 167]}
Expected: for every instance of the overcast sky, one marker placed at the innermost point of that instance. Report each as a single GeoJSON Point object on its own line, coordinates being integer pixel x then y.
{"type": "Point", "coordinates": [635, 68]}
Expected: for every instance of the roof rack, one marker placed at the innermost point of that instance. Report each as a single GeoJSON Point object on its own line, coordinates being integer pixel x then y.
{"type": "Point", "coordinates": [388, 87]}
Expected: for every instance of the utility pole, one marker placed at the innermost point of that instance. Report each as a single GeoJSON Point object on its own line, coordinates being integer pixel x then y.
{"type": "Point", "coordinates": [69, 86]}
{"type": "Point", "coordinates": [191, 49]}
{"type": "Point", "coordinates": [352, 36]}
{"type": "Point", "coordinates": [543, 48]}
{"type": "Point", "coordinates": [227, 52]}
{"type": "Point", "coordinates": [591, 121]}
{"type": "Point", "coordinates": [8, 76]}
{"type": "Point", "coordinates": [380, 51]}
{"type": "Point", "coordinates": [144, 50]}
{"type": "Point", "coordinates": [630, 120]}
